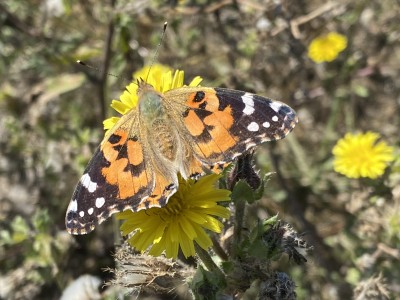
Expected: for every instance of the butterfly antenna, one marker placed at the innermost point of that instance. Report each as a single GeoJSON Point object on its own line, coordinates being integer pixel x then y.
{"type": "Point", "coordinates": [157, 49]}
{"type": "Point", "coordinates": [98, 69]}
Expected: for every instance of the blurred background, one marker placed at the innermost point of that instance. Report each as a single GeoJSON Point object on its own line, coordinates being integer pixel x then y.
{"type": "Point", "coordinates": [51, 113]}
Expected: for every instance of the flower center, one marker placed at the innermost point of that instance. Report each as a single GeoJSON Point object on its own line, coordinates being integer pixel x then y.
{"type": "Point", "coordinates": [363, 154]}
{"type": "Point", "coordinates": [174, 206]}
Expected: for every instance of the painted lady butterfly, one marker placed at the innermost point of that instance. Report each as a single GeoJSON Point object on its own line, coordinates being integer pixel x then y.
{"type": "Point", "coordinates": [183, 130]}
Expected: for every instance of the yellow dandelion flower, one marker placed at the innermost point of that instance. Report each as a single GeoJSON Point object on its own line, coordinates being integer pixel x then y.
{"type": "Point", "coordinates": [182, 222]}
{"type": "Point", "coordinates": [160, 77]}
{"type": "Point", "coordinates": [327, 47]}
{"type": "Point", "coordinates": [360, 155]}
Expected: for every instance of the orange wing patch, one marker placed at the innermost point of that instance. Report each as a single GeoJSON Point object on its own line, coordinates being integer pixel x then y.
{"type": "Point", "coordinates": [126, 168]}
{"type": "Point", "coordinates": [135, 152]}
{"type": "Point", "coordinates": [194, 123]}
{"type": "Point", "coordinates": [117, 139]}
{"type": "Point", "coordinates": [209, 125]}
{"type": "Point", "coordinates": [195, 167]}
{"type": "Point", "coordinates": [219, 167]}
{"type": "Point", "coordinates": [163, 189]}
{"type": "Point", "coordinates": [221, 121]}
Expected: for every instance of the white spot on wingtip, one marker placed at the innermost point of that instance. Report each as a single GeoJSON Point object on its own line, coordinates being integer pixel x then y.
{"type": "Point", "coordinates": [275, 106]}
{"type": "Point", "coordinates": [266, 124]}
{"type": "Point", "coordinates": [248, 101]}
{"type": "Point", "coordinates": [236, 155]}
{"type": "Point", "coordinates": [90, 211]}
{"type": "Point", "coordinates": [73, 206]}
{"type": "Point", "coordinates": [81, 213]}
{"type": "Point", "coordinates": [253, 126]}
{"type": "Point", "coordinates": [247, 141]}
{"type": "Point", "coordinates": [100, 202]}
{"type": "Point", "coordinates": [88, 183]}
{"type": "Point", "coordinates": [275, 118]}
{"type": "Point", "coordinates": [250, 145]}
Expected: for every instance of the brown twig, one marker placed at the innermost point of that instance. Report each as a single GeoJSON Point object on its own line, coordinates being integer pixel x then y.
{"type": "Point", "coordinates": [106, 63]}
{"type": "Point", "coordinates": [395, 253]}
{"type": "Point", "coordinates": [14, 22]}
{"type": "Point", "coordinates": [295, 23]}
{"type": "Point", "coordinates": [28, 30]}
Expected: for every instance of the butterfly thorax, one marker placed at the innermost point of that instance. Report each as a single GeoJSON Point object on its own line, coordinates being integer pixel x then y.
{"type": "Point", "coordinates": [155, 121]}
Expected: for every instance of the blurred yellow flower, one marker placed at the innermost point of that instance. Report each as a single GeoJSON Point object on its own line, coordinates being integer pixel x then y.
{"type": "Point", "coordinates": [160, 77]}
{"type": "Point", "coordinates": [182, 222]}
{"type": "Point", "coordinates": [327, 47]}
{"type": "Point", "coordinates": [360, 155]}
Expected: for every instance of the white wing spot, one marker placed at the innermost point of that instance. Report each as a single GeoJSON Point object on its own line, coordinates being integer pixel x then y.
{"type": "Point", "coordinates": [81, 213]}
{"type": "Point", "coordinates": [250, 145]}
{"type": "Point", "coordinates": [248, 140]}
{"type": "Point", "coordinates": [88, 183]}
{"type": "Point", "coordinates": [100, 202]}
{"type": "Point", "coordinates": [275, 106]}
{"type": "Point", "coordinates": [90, 211]}
{"type": "Point", "coordinates": [73, 206]}
{"type": "Point", "coordinates": [266, 124]}
{"type": "Point", "coordinates": [275, 118]}
{"type": "Point", "coordinates": [248, 101]}
{"type": "Point", "coordinates": [253, 126]}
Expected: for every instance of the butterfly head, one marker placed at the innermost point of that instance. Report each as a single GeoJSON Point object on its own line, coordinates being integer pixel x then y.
{"type": "Point", "coordinates": [150, 101]}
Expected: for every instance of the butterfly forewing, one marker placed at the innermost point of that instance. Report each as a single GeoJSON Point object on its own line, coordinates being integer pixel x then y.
{"type": "Point", "coordinates": [220, 124]}
{"type": "Point", "coordinates": [117, 178]}
{"type": "Point", "coordinates": [257, 119]}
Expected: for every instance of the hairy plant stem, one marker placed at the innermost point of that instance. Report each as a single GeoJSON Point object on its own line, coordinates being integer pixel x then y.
{"type": "Point", "coordinates": [239, 217]}
{"type": "Point", "coordinates": [208, 261]}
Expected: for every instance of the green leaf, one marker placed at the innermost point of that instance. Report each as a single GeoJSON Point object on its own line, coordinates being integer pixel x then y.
{"type": "Point", "coordinates": [259, 192]}
{"type": "Point", "coordinates": [206, 285]}
{"type": "Point", "coordinates": [20, 230]}
{"type": "Point", "coordinates": [243, 191]}
{"type": "Point", "coordinates": [41, 221]}
{"type": "Point", "coordinates": [361, 91]}
{"type": "Point", "coordinates": [271, 221]}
